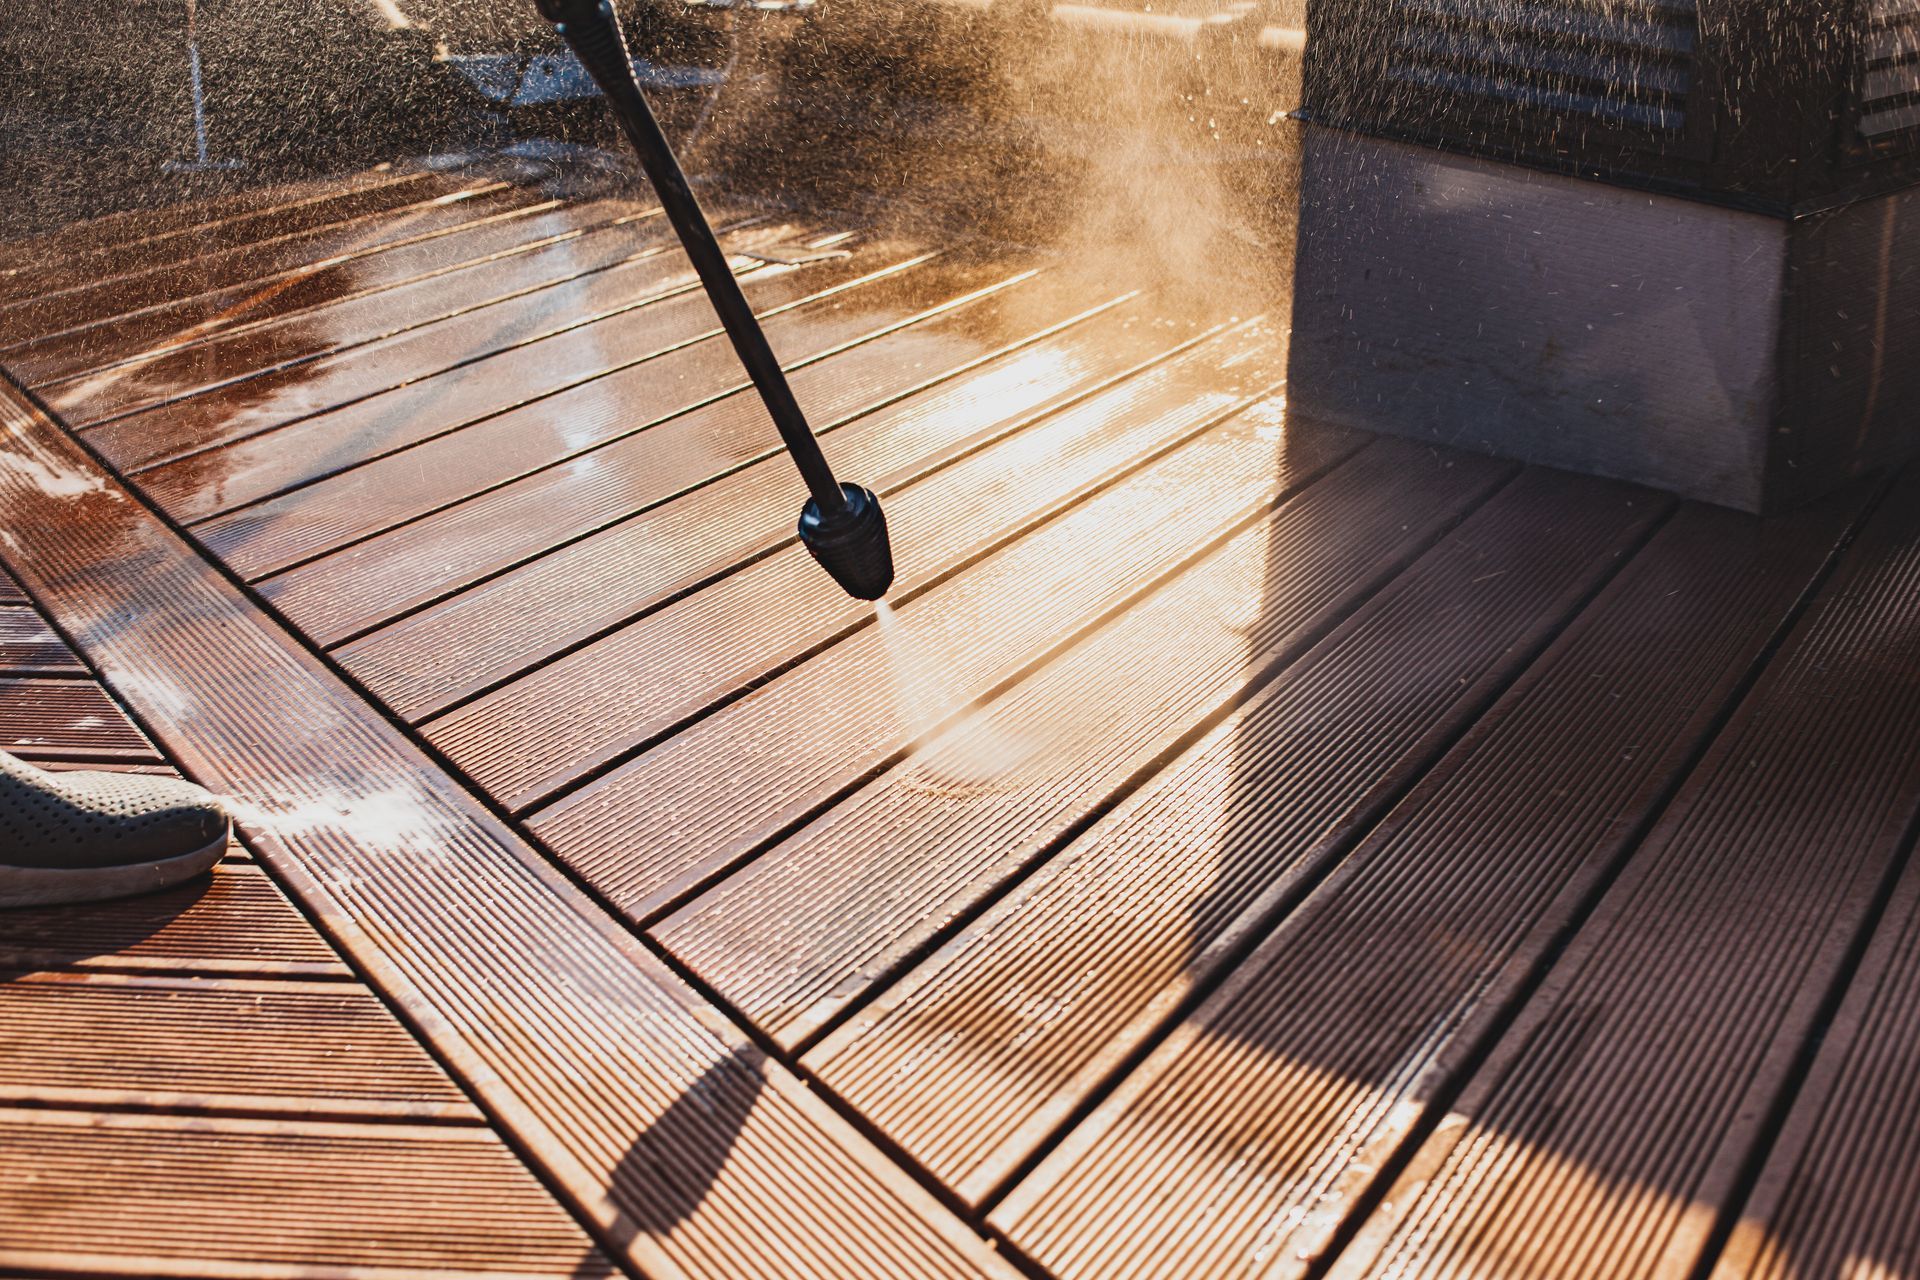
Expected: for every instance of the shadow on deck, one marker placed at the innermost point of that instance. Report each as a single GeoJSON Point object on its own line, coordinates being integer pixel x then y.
{"type": "Point", "coordinates": [1254, 849]}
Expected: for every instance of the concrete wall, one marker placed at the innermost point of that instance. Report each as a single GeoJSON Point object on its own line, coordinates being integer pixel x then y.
{"type": "Point", "coordinates": [1851, 354]}
{"type": "Point", "coordinates": [1540, 317]}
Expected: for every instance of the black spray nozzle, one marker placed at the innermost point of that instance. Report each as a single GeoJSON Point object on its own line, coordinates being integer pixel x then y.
{"type": "Point", "coordinates": [842, 525]}
{"type": "Point", "coordinates": [851, 543]}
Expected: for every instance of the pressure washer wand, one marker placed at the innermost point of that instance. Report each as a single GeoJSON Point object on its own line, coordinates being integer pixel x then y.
{"type": "Point", "coordinates": [842, 525]}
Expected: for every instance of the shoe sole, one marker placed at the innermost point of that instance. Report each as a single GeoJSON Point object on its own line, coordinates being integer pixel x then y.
{"type": "Point", "coordinates": [59, 887]}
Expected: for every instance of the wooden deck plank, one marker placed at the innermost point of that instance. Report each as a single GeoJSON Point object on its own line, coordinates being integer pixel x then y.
{"type": "Point", "coordinates": [643, 556]}
{"type": "Point", "coordinates": [410, 452]}
{"type": "Point", "coordinates": [29, 647]}
{"type": "Point", "coordinates": [688, 1149]}
{"type": "Point", "coordinates": [1106, 937]}
{"type": "Point", "coordinates": [539, 734]}
{"type": "Point", "coordinates": [252, 408]}
{"type": "Point", "coordinates": [308, 1049]}
{"type": "Point", "coordinates": [1638, 1082]}
{"type": "Point", "coordinates": [234, 922]}
{"type": "Point", "coordinates": [157, 1196]}
{"type": "Point", "coordinates": [496, 245]}
{"type": "Point", "coordinates": [1277, 1102]}
{"type": "Point", "coordinates": [664, 824]}
{"type": "Point", "coordinates": [830, 915]}
{"type": "Point", "coordinates": [282, 257]}
{"type": "Point", "coordinates": [64, 248]}
{"type": "Point", "coordinates": [342, 596]}
{"type": "Point", "coordinates": [1838, 1192]}
{"type": "Point", "coordinates": [68, 720]}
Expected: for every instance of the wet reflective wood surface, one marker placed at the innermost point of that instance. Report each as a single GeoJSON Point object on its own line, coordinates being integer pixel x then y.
{"type": "Point", "coordinates": [1239, 846]}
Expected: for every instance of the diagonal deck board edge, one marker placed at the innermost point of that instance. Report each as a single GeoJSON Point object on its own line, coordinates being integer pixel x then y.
{"type": "Point", "coordinates": [170, 437]}
{"type": "Point", "coordinates": [955, 519]}
{"type": "Point", "coordinates": [389, 472]}
{"type": "Point", "coordinates": [344, 595]}
{"type": "Point", "coordinates": [687, 1149]}
{"type": "Point", "coordinates": [68, 247]}
{"type": "Point", "coordinates": [104, 264]}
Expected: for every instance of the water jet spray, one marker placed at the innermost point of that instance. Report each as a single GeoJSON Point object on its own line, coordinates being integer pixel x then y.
{"type": "Point", "coordinates": [842, 524]}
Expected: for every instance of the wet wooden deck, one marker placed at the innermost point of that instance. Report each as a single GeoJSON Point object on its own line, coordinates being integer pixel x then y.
{"type": "Point", "coordinates": [1256, 850]}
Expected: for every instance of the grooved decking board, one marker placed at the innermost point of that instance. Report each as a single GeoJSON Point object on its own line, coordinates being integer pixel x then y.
{"type": "Point", "coordinates": [234, 921]}
{"type": "Point", "coordinates": [1838, 1193]}
{"type": "Point", "coordinates": [830, 914]}
{"type": "Point", "coordinates": [28, 646]}
{"type": "Point", "coordinates": [159, 1195]}
{"type": "Point", "coordinates": [94, 259]}
{"type": "Point", "coordinates": [261, 410]}
{"type": "Point", "coordinates": [313, 1048]}
{"type": "Point", "coordinates": [421, 664]}
{"type": "Point", "coordinates": [666, 822]}
{"type": "Point", "coordinates": [660, 1121]}
{"type": "Point", "coordinates": [256, 419]}
{"type": "Point", "coordinates": [1638, 1080]}
{"type": "Point", "coordinates": [341, 596]}
{"type": "Point", "coordinates": [10, 592]}
{"type": "Point", "coordinates": [1236, 1147]}
{"type": "Point", "coordinates": [107, 366]}
{"type": "Point", "coordinates": [1085, 958]}
{"type": "Point", "coordinates": [261, 264]}
{"type": "Point", "coordinates": [67, 720]}
{"type": "Point", "coordinates": [621, 375]}
{"type": "Point", "coordinates": [58, 252]}
{"type": "Point", "coordinates": [481, 262]}
{"type": "Point", "coordinates": [550, 727]}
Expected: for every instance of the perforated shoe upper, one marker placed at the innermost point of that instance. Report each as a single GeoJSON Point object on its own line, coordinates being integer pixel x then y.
{"type": "Point", "coordinates": [88, 820]}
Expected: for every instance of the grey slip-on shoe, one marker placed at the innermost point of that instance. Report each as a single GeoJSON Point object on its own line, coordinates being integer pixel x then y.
{"type": "Point", "coordinates": [83, 837]}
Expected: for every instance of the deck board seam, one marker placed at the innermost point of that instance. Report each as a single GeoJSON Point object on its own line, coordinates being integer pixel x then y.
{"type": "Point", "coordinates": [286, 277]}
{"type": "Point", "coordinates": [1219, 973]}
{"type": "Point", "coordinates": [290, 1107]}
{"type": "Point", "coordinates": [260, 322]}
{"type": "Point", "coordinates": [46, 240]}
{"type": "Point", "coordinates": [1257, 680]}
{"type": "Point", "coordinates": [941, 462]}
{"type": "Point", "coordinates": [679, 345]}
{"type": "Point", "coordinates": [484, 188]}
{"type": "Point", "coordinates": [901, 478]}
{"type": "Point", "coordinates": [1023, 670]}
{"type": "Point", "coordinates": [1174, 749]}
{"type": "Point", "coordinates": [611, 370]}
{"type": "Point", "coordinates": [508, 1114]}
{"type": "Point", "coordinates": [1729, 1212]}
{"type": "Point", "coordinates": [1446, 1091]}
{"type": "Point", "coordinates": [412, 329]}
{"type": "Point", "coordinates": [397, 336]}
{"type": "Point", "coordinates": [352, 971]}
